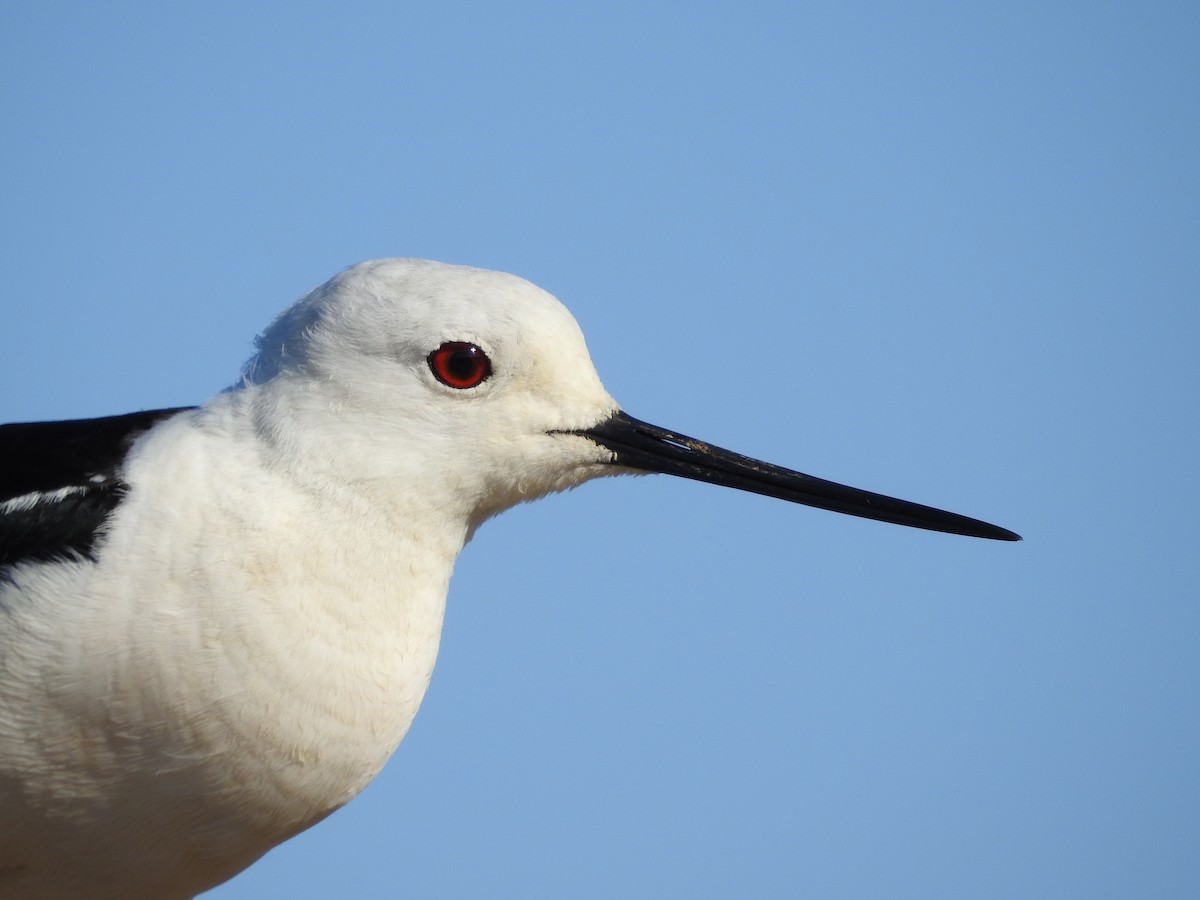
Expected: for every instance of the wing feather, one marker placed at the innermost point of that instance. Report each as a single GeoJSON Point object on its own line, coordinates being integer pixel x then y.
{"type": "Point", "coordinates": [59, 482]}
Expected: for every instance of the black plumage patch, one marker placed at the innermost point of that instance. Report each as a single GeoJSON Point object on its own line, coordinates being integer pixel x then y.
{"type": "Point", "coordinates": [59, 481]}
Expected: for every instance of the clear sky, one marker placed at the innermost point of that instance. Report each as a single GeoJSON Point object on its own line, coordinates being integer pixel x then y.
{"type": "Point", "coordinates": [948, 251]}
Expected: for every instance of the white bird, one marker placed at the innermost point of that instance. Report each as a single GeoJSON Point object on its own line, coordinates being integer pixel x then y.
{"type": "Point", "coordinates": [217, 623]}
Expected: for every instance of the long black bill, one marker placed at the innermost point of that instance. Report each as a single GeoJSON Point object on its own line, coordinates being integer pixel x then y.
{"type": "Point", "coordinates": [638, 445]}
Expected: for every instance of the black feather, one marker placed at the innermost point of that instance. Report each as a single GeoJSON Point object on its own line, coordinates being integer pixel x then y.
{"type": "Point", "coordinates": [41, 458]}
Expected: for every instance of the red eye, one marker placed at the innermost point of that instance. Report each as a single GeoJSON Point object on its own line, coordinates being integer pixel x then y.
{"type": "Point", "coordinates": [460, 365]}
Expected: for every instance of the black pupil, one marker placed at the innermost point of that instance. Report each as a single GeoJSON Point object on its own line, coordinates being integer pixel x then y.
{"type": "Point", "coordinates": [463, 363]}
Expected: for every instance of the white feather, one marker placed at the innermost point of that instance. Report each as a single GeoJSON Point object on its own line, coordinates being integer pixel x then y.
{"type": "Point", "coordinates": [263, 617]}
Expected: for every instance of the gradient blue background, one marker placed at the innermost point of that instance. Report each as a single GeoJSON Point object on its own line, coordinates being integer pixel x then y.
{"type": "Point", "coordinates": [946, 251]}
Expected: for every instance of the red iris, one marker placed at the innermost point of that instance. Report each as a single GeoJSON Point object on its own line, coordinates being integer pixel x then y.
{"type": "Point", "coordinates": [460, 365]}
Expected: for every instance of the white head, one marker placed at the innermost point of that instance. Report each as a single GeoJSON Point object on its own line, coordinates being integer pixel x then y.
{"type": "Point", "coordinates": [349, 384]}
{"type": "Point", "coordinates": [346, 373]}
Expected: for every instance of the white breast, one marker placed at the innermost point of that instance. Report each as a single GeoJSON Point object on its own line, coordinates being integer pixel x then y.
{"type": "Point", "coordinates": [246, 669]}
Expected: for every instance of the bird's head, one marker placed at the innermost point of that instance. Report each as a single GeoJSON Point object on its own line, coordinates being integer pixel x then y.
{"type": "Point", "coordinates": [473, 390]}
{"type": "Point", "coordinates": [472, 383]}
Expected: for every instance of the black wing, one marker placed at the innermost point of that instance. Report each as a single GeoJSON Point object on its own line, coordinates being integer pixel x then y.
{"type": "Point", "coordinates": [60, 480]}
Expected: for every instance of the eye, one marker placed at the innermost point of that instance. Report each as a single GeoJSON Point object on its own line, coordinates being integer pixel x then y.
{"type": "Point", "coordinates": [460, 365]}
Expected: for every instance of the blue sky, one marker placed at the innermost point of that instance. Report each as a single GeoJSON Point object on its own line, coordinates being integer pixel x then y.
{"type": "Point", "coordinates": [938, 250]}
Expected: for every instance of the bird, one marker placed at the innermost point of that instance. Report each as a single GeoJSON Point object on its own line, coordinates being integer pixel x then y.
{"type": "Point", "coordinates": [217, 622]}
